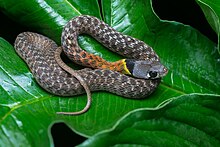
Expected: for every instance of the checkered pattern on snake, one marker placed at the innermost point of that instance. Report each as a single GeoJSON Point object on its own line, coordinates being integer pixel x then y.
{"type": "Point", "coordinates": [122, 44]}
{"type": "Point", "coordinates": [38, 52]}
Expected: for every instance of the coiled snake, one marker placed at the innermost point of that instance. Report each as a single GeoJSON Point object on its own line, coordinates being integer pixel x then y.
{"type": "Point", "coordinates": [42, 56]}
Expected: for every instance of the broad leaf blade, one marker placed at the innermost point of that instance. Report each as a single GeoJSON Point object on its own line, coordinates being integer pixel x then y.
{"type": "Point", "coordinates": [170, 125]}
{"type": "Point", "coordinates": [18, 109]}
{"type": "Point", "coordinates": [48, 16]}
{"type": "Point", "coordinates": [211, 9]}
{"type": "Point", "coordinates": [179, 46]}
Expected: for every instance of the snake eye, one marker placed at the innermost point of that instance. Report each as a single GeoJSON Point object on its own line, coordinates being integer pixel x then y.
{"type": "Point", "coordinates": [153, 74]}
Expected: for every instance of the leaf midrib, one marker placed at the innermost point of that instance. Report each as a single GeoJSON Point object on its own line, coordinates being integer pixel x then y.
{"type": "Point", "coordinates": [21, 104]}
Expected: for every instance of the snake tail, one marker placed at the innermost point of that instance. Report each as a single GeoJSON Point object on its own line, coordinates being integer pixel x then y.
{"type": "Point", "coordinates": [79, 78]}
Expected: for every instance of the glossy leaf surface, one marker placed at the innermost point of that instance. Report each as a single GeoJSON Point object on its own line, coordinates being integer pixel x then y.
{"type": "Point", "coordinates": [171, 125]}
{"type": "Point", "coordinates": [192, 59]}
{"type": "Point", "coordinates": [211, 9]}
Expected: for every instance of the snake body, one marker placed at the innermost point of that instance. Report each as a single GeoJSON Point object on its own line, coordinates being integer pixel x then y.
{"type": "Point", "coordinates": [38, 52]}
{"type": "Point", "coordinates": [124, 45]}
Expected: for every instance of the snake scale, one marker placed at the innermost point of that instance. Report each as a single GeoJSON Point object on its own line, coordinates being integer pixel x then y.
{"type": "Point", "coordinates": [142, 62]}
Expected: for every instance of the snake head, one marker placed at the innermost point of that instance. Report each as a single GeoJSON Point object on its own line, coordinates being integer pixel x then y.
{"type": "Point", "coordinates": [146, 69]}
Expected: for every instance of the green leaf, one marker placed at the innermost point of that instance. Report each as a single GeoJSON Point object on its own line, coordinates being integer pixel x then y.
{"type": "Point", "coordinates": [169, 125]}
{"type": "Point", "coordinates": [192, 60]}
{"type": "Point", "coordinates": [23, 115]}
{"type": "Point", "coordinates": [211, 9]}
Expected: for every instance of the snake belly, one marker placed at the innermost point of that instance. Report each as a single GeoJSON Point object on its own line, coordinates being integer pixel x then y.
{"type": "Point", "coordinates": [38, 52]}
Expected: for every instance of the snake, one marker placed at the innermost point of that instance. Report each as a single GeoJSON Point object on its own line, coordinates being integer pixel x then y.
{"type": "Point", "coordinates": [136, 76]}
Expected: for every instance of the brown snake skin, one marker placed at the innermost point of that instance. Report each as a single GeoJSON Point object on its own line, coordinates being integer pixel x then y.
{"type": "Point", "coordinates": [38, 52]}
{"type": "Point", "coordinates": [115, 41]}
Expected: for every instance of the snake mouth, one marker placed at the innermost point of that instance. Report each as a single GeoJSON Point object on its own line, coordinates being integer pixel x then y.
{"type": "Point", "coordinates": [165, 72]}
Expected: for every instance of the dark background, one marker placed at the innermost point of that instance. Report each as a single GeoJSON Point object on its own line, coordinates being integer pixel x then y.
{"type": "Point", "coordinates": [185, 11]}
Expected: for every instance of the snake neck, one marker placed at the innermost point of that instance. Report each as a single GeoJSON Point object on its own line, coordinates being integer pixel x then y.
{"type": "Point", "coordinates": [119, 66]}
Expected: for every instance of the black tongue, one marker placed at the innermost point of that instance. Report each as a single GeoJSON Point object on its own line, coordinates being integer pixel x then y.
{"type": "Point", "coordinates": [130, 64]}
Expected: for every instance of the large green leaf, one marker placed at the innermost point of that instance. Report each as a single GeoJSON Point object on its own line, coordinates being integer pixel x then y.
{"type": "Point", "coordinates": [211, 9]}
{"type": "Point", "coordinates": [27, 109]}
{"type": "Point", "coordinates": [170, 125]}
